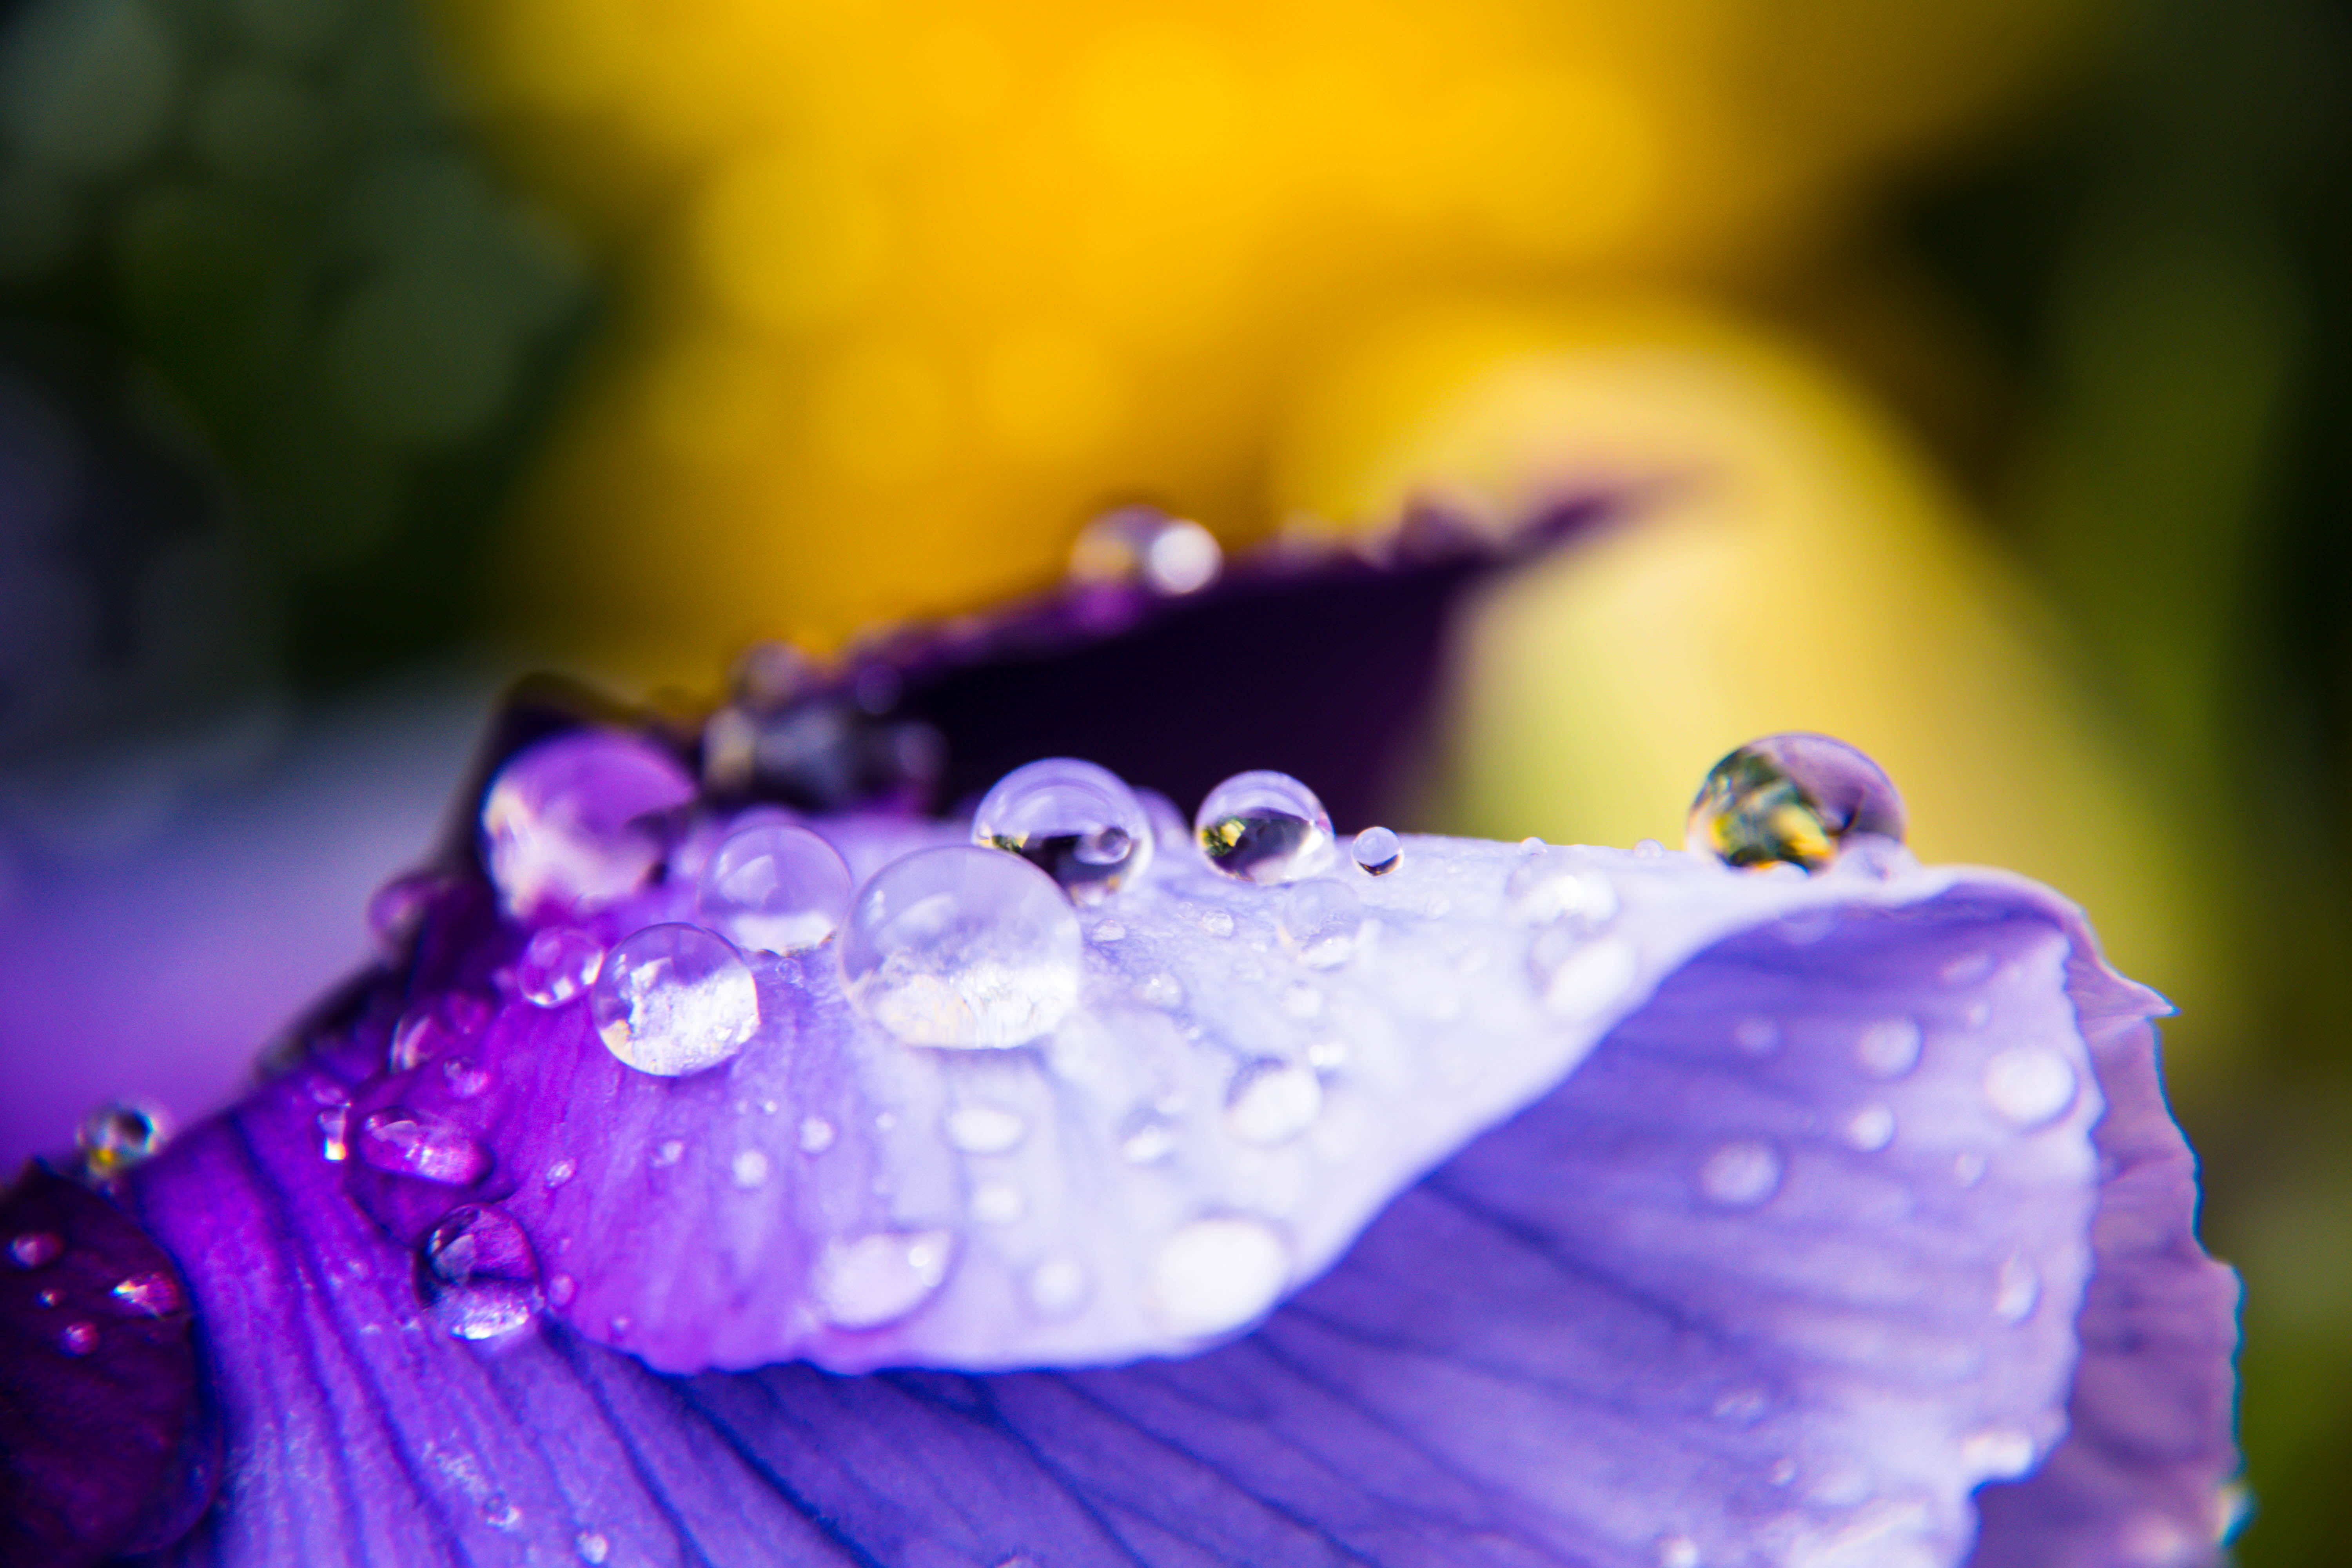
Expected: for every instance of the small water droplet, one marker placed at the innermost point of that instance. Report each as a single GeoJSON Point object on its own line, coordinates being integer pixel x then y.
{"type": "Point", "coordinates": [405, 1143]}
{"type": "Point", "coordinates": [1888, 1048]}
{"type": "Point", "coordinates": [120, 1134]}
{"type": "Point", "coordinates": [1678, 1552]}
{"type": "Point", "coordinates": [1216, 1274]}
{"type": "Point", "coordinates": [561, 1172]}
{"type": "Point", "coordinates": [1967, 969]}
{"type": "Point", "coordinates": [561, 1288]}
{"type": "Point", "coordinates": [1058, 1287]}
{"type": "Point", "coordinates": [2029, 1085]}
{"type": "Point", "coordinates": [1871, 1129]}
{"type": "Point", "coordinates": [1264, 827]}
{"type": "Point", "coordinates": [1272, 1103]}
{"type": "Point", "coordinates": [1302, 1002]}
{"type": "Point", "coordinates": [1791, 799]}
{"type": "Point", "coordinates": [1557, 885]}
{"type": "Point", "coordinates": [398, 911]}
{"type": "Point", "coordinates": [750, 1170]}
{"type": "Point", "coordinates": [673, 1000]}
{"type": "Point", "coordinates": [816, 1135]}
{"type": "Point", "coordinates": [575, 821]}
{"type": "Point", "coordinates": [154, 1294]}
{"type": "Point", "coordinates": [1160, 991]}
{"type": "Point", "coordinates": [48, 1298]}
{"type": "Point", "coordinates": [2016, 1289]}
{"type": "Point", "coordinates": [774, 888]}
{"type": "Point", "coordinates": [1377, 851]}
{"type": "Point", "coordinates": [1998, 1453]}
{"type": "Point", "coordinates": [1320, 921]}
{"type": "Point", "coordinates": [1649, 849]}
{"type": "Point", "coordinates": [864, 1282]}
{"type": "Point", "coordinates": [477, 1276]}
{"type": "Point", "coordinates": [1078, 823]}
{"type": "Point", "coordinates": [78, 1339]}
{"type": "Point", "coordinates": [500, 1514]}
{"type": "Point", "coordinates": [558, 966]}
{"type": "Point", "coordinates": [593, 1547]}
{"type": "Point", "coordinates": [1580, 980]}
{"type": "Point", "coordinates": [465, 1080]}
{"type": "Point", "coordinates": [965, 948]}
{"type": "Point", "coordinates": [1107, 931]}
{"type": "Point", "coordinates": [1146, 1140]}
{"type": "Point", "coordinates": [34, 1249]}
{"type": "Point", "coordinates": [985, 1129]}
{"type": "Point", "coordinates": [668, 1153]}
{"type": "Point", "coordinates": [998, 1202]}
{"type": "Point", "coordinates": [1144, 547]}
{"type": "Point", "coordinates": [1741, 1175]}
{"type": "Point", "coordinates": [1217, 923]}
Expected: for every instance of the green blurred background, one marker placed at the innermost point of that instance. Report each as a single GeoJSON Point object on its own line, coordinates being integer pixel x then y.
{"type": "Point", "coordinates": [340, 341]}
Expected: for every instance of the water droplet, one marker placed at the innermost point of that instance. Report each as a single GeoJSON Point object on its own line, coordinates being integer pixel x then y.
{"type": "Point", "coordinates": [998, 1202]}
{"type": "Point", "coordinates": [334, 1126]}
{"type": "Point", "coordinates": [1741, 1175]}
{"type": "Point", "coordinates": [1058, 1287]}
{"type": "Point", "coordinates": [34, 1249]}
{"type": "Point", "coordinates": [1871, 1129]}
{"type": "Point", "coordinates": [1078, 823]}
{"type": "Point", "coordinates": [48, 1298]}
{"type": "Point", "coordinates": [433, 1029]}
{"type": "Point", "coordinates": [593, 1548]}
{"type": "Point", "coordinates": [816, 1135]}
{"type": "Point", "coordinates": [577, 821]}
{"type": "Point", "coordinates": [864, 1282]}
{"type": "Point", "coordinates": [1326, 1056]}
{"type": "Point", "coordinates": [477, 1276]}
{"type": "Point", "coordinates": [1998, 1453]}
{"type": "Point", "coordinates": [1678, 1552]}
{"type": "Point", "coordinates": [2029, 1085]}
{"type": "Point", "coordinates": [668, 1153]}
{"type": "Point", "coordinates": [1967, 969]}
{"type": "Point", "coordinates": [1264, 827]}
{"type": "Point", "coordinates": [1888, 1048]}
{"type": "Point", "coordinates": [1757, 1036]}
{"type": "Point", "coordinates": [558, 966]}
{"type": "Point", "coordinates": [154, 1294]}
{"type": "Point", "coordinates": [1217, 923]}
{"type": "Point", "coordinates": [78, 1339]}
{"type": "Point", "coordinates": [1217, 1274]}
{"type": "Point", "coordinates": [465, 1080]}
{"type": "Point", "coordinates": [1145, 547]}
{"type": "Point", "coordinates": [1649, 849]}
{"type": "Point", "coordinates": [1320, 921]}
{"type": "Point", "coordinates": [1557, 885]}
{"type": "Point", "coordinates": [774, 888]}
{"type": "Point", "coordinates": [1783, 1472]}
{"type": "Point", "coordinates": [1107, 931]}
{"type": "Point", "coordinates": [750, 1170]}
{"type": "Point", "coordinates": [963, 947]}
{"type": "Point", "coordinates": [674, 999]}
{"type": "Point", "coordinates": [406, 1142]}
{"type": "Point", "coordinates": [1146, 1140]}
{"type": "Point", "coordinates": [561, 1288]}
{"type": "Point", "coordinates": [398, 911]}
{"type": "Point", "coordinates": [120, 1134]}
{"type": "Point", "coordinates": [1377, 851]}
{"type": "Point", "coordinates": [561, 1172]}
{"type": "Point", "coordinates": [985, 1129]}
{"type": "Point", "coordinates": [1272, 1103]}
{"type": "Point", "coordinates": [500, 1514]}
{"type": "Point", "coordinates": [2016, 1289]}
{"type": "Point", "coordinates": [1578, 980]}
{"type": "Point", "coordinates": [1160, 991]}
{"type": "Point", "coordinates": [1791, 799]}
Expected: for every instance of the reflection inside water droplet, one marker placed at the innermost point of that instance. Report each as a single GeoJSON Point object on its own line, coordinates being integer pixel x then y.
{"type": "Point", "coordinates": [774, 889]}
{"type": "Point", "coordinates": [558, 966]}
{"type": "Point", "coordinates": [1078, 823]}
{"type": "Point", "coordinates": [477, 1276]}
{"type": "Point", "coordinates": [864, 1282]}
{"type": "Point", "coordinates": [1791, 799]}
{"type": "Point", "coordinates": [1264, 827]}
{"type": "Point", "coordinates": [965, 948]}
{"type": "Point", "coordinates": [674, 999]}
{"type": "Point", "coordinates": [1215, 1275]}
{"type": "Point", "coordinates": [118, 1135]}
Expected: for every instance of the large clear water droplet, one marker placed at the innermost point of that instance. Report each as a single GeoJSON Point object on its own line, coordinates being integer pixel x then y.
{"type": "Point", "coordinates": [776, 887]}
{"type": "Point", "coordinates": [476, 1275]}
{"type": "Point", "coordinates": [405, 1143]}
{"type": "Point", "coordinates": [674, 999]}
{"type": "Point", "coordinates": [1791, 799]}
{"type": "Point", "coordinates": [1145, 546]}
{"type": "Point", "coordinates": [120, 1134]}
{"type": "Point", "coordinates": [558, 966]}
{"type": "Point", "coordinates": [1264, 827]}
{"type": "Point", "coordinates": [1215, 1275]}
{"type": "Point", "coordinates": [1272, 1103]}
{"type": "Point", "coordinates": [963, 947]}
{"type": "Point", "coordinates": [1377, 851]}
{"type": "Point", "coordinates": [2029, 1085]}
{"type": "Point", "coordinates": [1078, 823]}
{"type": "Point", "coordinates": [1320, 921]}
{"type": "Point", "coordinates": [865, 1281]}
{"type": "Point", "coordinates": [577, 822]}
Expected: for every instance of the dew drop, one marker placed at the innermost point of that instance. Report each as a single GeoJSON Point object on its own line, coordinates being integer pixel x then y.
{"type": "Point", "coordinates": [965, 948]}
{"type": "Point", "coordinates": [34, 1249]}
{"type": "Point", "coordinates": [398, 911]}
{"type": "Point", "coordinates": [749, 1170]}
{"type": "Point", "coordinates": [1557, 885]}
{"type": "Point", "coordinates": [1216, 1274]}
{"type": "Point", "coordinates": [1576, 980]}
{"type": "Point", "coordinates": [558, 966]}
{"type": "Point", "coordinates": [1108, 931]}
{"type": "Point", "coordinates": [1320, 921]}
{"type": "Point", "coordinates": [1740, 1174]}
{"type": "Point", "coordinates": [1078, 823]}
{"type": "Point", "coordinates": [1264, 827]}
{"type": "Point", "coordinates": [500, 1514]}
{"type": "Point", "coordinates": [561, 1288]}
{"type": "Point", "coordinates": [2016, 1289]}
{"type": "Point", "coordinates": [477, 1276]}
{"type": "Point", "coordinates": [1326, 1056]}
{"type": "Point", "coordinates": [1888, 1048]}
{"type": "Point", "coordinates": [575, 821]}
{"type": "Point", "coordinates": [864, 1282]}
{"type": "Point", "coordinates": [120, 1134]}
{"type": "Point", "coordinates": [2029, 1085]}
{"type": "Point", "coordinates": [674, 999]}
{"type": "Point", "coordinates": [1217, 923]}
{"type": "Point", "coordinates": [668, 1153]}
{"type": "Point", "coordinates": [78, 1339]}
{"type": "Point", "coordinates": [48, 1298]}
{"type": "Point", "coordinates": [1870, 1129]}
{"type": "Point", "coordinates": [816, 1135]}
{"type": "Point", "coordinates": [775, 888]}
{"type": "Point", "coordinates": [1160, 991]}
{"type": "Point", "coordinates": [1058, 1287]}
{"type": "Point", "coordinates": [1145, 547]}
{"type": "Point", "coordinates": [1272, 1103]}
{"type": "Point", "coordinates": [1998, 1453]}
{"type": "Point", "coordinates": [154, 1294]}
{"type": "Point", "coordinates": [1146, 1140]}
{"type": "Point", "coordinates": [465, 1080]}
{"type": "Point", "coordinates": [985, 1129]}
{"type": "Point", "coordinates": [1377, 851]}
{"type": "Point", "coordinates": [1791, 799]}
{"type": "Point", "coordinates": [334, 1134]}
{"type": "Point", "coordinates": [593, 1547]}
{"type": "Point", "coordinates": [405, 1143]}
{"type": "Point", "coordinates": [561, 1172]}
{"type": "Point", "coordinates": [998, 1202]}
